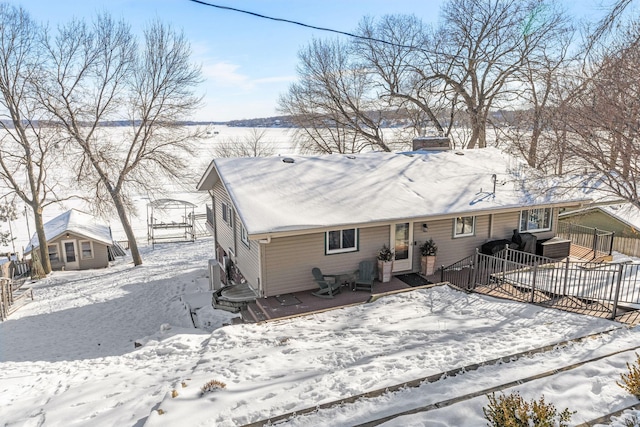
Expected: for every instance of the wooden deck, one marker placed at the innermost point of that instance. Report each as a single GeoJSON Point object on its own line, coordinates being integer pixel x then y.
{"type": "Point", "coordinates": [581, 253]}
{"type": "Point", "coordinates": [302, 303]}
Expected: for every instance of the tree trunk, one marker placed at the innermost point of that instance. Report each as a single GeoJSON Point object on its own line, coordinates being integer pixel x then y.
{"type": "Point", "coordinates": [560, 170]}
{"type": "Point", "coordinates": [478, 134]}
{"type": "Point", "coordinates": [43, 248]}
{"type": "Point", "coordinates": [533, 148]}
{"type": "Point", "coordinates": [126, 224]}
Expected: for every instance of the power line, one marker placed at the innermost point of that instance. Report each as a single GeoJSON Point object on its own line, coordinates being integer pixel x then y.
{"type": "Point", "coordinates": [344, 33]}
{"type": "Point", "coordinates": [330, 30]}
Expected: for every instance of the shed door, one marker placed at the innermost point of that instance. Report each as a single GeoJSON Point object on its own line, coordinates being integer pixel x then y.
{"type": "Point", "coordinates": [401, 238]}
{"type": "Point", "coordinates": [70, 255]}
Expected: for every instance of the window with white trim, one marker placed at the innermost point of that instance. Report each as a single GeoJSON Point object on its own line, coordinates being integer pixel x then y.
{"type": "Point", "coordinates": [532, 220]}
{"type": "Point", "coordinates": [339, 241]}
{"type": "Point", "coordinates": [54, 256]}
{"type": "Point", "coordinates": [86, 249]}
{"type": "Point", "coordinates": [244, 236]}
{"type": "Point", "coordinates": [464, 226]}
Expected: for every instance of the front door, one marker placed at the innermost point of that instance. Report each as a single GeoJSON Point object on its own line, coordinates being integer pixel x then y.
{"type": "Point", "coordinates": [70, 255]}
{"type": "Point", "coordinates": [401, 239]}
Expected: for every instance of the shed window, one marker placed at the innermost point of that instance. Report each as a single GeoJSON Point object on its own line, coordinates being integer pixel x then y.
{"type": "Point", "coordinates": [54, 256]}
{"type": "Point", "coordinates": [535, 220]}
{"type": "Point", "coordinates": [464, 226]}
{"type": "Point", "coordinates": [86, 249]}
{"type": "Point", "coordinates": [339, 241]}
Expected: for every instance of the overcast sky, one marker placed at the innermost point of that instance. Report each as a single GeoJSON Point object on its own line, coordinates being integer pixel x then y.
{"type": "Point", "coordinates": [247, 61]}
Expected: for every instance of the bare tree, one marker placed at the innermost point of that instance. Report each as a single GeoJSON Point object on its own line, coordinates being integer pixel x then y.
{"type": "Point", "coordinates": [251, 145]}
{"type": "Point", "coordinates": [606, 25]}
{"type": "Point", "coordinates": [531, 123]}
{"type": "Point", "coordinates": [452, 75]}
{"type": "Point", "coordinates": [98, 73]}
{"type": "Point", "coordinates": [27, 144]}
{"type": "Point", "coordinates": [333, 103]}
{"type": "Point", "coordinates": [399, 69]}
{"type": "Point", "coordinates": [483, 44]}
{"type": "Point", "coordinates": [604, 116]}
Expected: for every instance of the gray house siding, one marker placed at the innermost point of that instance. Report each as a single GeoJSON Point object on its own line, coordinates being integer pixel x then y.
{"type": "Point", "coordinates": [289, 260]}
{"type": "Point", "coordinates": [246, 258]}
{"type": "Point", "coordinates": [505, 223]}
{"type": "Point", "coordinates": [450, 249]}
{"type": "Point", "coordinates": [100, 257]}
{"type": "Point", "coordinates": [224, 233]}
{"type": "Point", "coordinates": [488, 227]}
{"type": "Point", "coordinates": [283, 264]}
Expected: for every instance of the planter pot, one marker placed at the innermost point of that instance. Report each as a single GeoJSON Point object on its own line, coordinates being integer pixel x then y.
{"type": "Point", "coordinates": [384, 270]}
{"type": "Point", "coordinates": [428, 265]}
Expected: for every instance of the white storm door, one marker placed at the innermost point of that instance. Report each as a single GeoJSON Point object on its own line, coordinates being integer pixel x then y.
{"type": "Point", "coordinates": [401, 239]}
{"type": "Point", "coordinates": [70, 255]}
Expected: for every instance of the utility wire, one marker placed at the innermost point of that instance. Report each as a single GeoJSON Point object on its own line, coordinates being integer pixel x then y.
{"type": "Point", "coordinates": [330, 30]}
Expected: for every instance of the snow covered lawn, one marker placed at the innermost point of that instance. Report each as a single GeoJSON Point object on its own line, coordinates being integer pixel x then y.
{"type": "Point", "coordinates": [68, 358]}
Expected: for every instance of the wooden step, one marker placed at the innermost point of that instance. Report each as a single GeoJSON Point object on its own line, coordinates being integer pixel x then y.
{"type": "Point", "coordinates": [256, 313]}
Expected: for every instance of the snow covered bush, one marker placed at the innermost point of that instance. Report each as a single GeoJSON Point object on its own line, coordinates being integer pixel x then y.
{"type": "Point", "coordinates": [513, 411]}
{"type": "Point", "coordinates": [212, 386]}
{"type": "Point", "coordinates": [385, 254]}
{"type": "Point", "coordinates": [631, 380]}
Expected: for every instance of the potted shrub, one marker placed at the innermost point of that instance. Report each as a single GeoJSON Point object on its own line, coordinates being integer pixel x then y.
{"type": "Point", "coordinates": [385, 264]}
{"type": "Point", "coordinates": [428, 250]}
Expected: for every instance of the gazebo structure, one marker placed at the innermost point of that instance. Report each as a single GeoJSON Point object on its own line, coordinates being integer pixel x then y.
{"type": "Point", "coordinates": [170, 221]}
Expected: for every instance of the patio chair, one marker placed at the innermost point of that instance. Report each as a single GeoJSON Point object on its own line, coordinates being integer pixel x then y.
{"type": "Point", "coordinates": [365, 276]}
{"type": "Point", "coordinates": [328, 284]}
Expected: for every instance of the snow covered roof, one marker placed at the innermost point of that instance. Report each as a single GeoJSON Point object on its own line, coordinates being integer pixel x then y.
{"type": "Point", "coordinates": [278, 194]}
{"type": "Point", "coordinates": [76, 222]}
{"type": "Point", "coordinates": [627, 213]}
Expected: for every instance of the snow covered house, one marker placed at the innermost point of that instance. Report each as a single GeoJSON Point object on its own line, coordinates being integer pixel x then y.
{"type": "Point", "coordinates": [75, 242]}
{"type": "Point", "coordinates": [275, 218]}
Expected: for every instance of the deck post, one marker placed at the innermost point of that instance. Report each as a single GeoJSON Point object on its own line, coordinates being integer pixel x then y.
{"type": "Point", "coordinates": [595, 243]}
{"type": "Point", "coordinates": [613, 236]}
{"type": "Point", "coordinates": [566, 277]}
{"type": "Point", "coordinates": [617, 295]}
{"type": "Point", "coordinates": [474, 269]}
{"type": "Point", "coordinates": [533, 284]}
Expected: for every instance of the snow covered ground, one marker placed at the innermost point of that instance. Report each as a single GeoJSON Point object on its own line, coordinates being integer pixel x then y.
{"type": "Point", "coordinates": [69, 357]}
